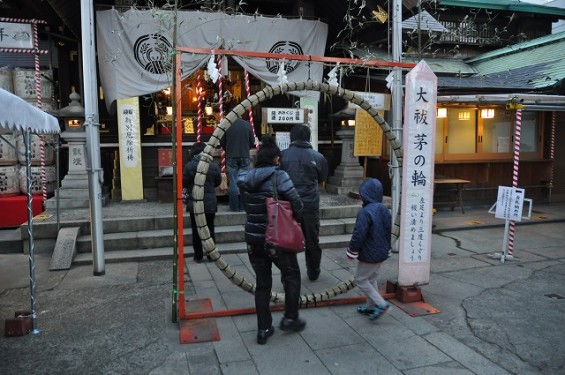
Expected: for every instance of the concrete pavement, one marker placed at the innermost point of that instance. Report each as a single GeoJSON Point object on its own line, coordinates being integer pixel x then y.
{"type": "Point", "coordinates": [494, 318]}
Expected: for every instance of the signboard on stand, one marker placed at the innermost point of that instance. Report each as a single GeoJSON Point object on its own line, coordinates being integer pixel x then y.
{"type": "Point", "coordinates": [509, 203]}
{"type": "Point", "coordinates": [311, 107]}
{"type": "Point", "coordinates": [418, 176]}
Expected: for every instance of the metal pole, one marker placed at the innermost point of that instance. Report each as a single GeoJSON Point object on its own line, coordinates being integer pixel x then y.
{"type": "Point", "coordinates": [57, 192]}
{"type": "Point", "coordinates": [396, 106]}
{"type": "Point", "coordinates": [95, 175]}
{"type": "Point", "coordinates": [27, 136]}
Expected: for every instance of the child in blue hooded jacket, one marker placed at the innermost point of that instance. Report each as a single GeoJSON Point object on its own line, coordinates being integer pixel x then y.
{"type": "Point", "coordinates": [370, 245]}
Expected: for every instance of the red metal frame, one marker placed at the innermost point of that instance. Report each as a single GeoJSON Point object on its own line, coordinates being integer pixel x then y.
{"type": "Point", "coordinates": [178, 155]}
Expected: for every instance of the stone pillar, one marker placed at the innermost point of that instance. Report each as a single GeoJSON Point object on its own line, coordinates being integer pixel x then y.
{"type": "Point", "coordinates": [73, 192]}
{"type": "Point", "coordinates": [349, 174]}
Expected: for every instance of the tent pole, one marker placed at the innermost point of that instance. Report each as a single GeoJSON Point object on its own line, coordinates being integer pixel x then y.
{"type": "Point", "coordinates": [31, 244]}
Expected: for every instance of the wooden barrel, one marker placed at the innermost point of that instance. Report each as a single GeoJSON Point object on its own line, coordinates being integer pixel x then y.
{"type": "Point", "coordinates": [6, 80]}
{"type": "Point", "coordinates": [36, 187]}
{"type": "Point", "coordinates": [8, 149]}
{"type": "Point", "coordinates": [24, 84]}
{"type": "Point", "coordinates": [35, 149]}
{"type": "Point", "coordinates": [9, 180]}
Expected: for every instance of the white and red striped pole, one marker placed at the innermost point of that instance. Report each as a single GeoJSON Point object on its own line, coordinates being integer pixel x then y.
{"type": "Point", "coordinates": [40, 106]}
{"type": "Point", "coordinates": [552, 152]}
{"type": "Point", "coordinates": [248, 92]}
{"type": "Point", "coordinates": [199, 98]}
{"type": "Point", "coordinates": [517, 140]}
{"type": "Point", "coordinates": [221, 101]}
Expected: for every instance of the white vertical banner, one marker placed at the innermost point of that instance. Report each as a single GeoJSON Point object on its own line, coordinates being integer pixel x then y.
{"type": "Point", "coordinates": [130, 149]}
{"type": "Point", "coordinates": [417, 176]}
{"type": "Point", "coordinates": [311, 106]}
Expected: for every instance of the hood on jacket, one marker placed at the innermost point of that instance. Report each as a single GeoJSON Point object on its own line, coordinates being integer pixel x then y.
{"type": "Point", "coordinates": [371, 191]}
{"type": "Point", "coordinates": [254, 178]}
{"type": "Point", "coordinates": [301, 144]}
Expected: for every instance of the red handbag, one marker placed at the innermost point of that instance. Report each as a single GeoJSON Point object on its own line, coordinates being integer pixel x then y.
{"type": "Point", "coordinates": [283, 233]}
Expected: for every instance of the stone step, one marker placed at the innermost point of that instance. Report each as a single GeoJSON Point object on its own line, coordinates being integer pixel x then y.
{"type": "Point", "coordinates": [11, 241]}
{"type": "Point", "coordinates": [125, 232]}
{"type": "Point", "coordinates": [150, 239]}
{"type": "Point", "coordinates": [138, 255]}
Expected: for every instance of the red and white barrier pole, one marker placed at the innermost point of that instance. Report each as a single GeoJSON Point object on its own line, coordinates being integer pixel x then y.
{"type": "Point", "coordinates": [40, 106]}
{"type": "Point", "coordinates": [517, 140]}
{"type": "Point", "coordinates": [221, 101]}
{"type": "Point", "coordinates": [199, 98]}
{"type": "Point", "coordinates": [250, 111]}
{"type": "Point", "coordinates": [552, 152]}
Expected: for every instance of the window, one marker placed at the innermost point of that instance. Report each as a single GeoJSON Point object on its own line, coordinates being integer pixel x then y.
{"type": "Point", "coordinates": [465, 135]}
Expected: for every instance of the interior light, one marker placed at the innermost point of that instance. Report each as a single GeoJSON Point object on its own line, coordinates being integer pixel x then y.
{"type": "Point", "coordinates": [208, 110]}
{"type": "Point", "coordinates": [441, 112]}
{"type": "Point", "coordinates": [169, 111]}
{"type": "Point", "coordinates": [74, 123]}
{"type": "Point", "coordinates": [487, 113]}
{"type": "Point", "coordinates": [464, 115]}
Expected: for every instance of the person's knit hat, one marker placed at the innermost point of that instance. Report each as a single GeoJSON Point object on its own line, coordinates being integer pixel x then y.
{"type": "Point", "coordinates": [267, 150]}
{"type": "Point", "coordinates": [300, 132]}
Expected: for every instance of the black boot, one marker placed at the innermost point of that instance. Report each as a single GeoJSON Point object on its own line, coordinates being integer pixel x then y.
{"type": "Point", "coordinates": [264, 334]}
{"type": "Point", "coordinates": [295, 325]}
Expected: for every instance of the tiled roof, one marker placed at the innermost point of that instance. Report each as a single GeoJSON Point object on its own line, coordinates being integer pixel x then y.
{"type": "Point", "coordinates": [437, 65]}
{"type": "Point", "coordinates": [425, 21]}
{"type": "Point", "coordinates": [538, 63]}
{"type": "Point", "coordinates": [508, 5]}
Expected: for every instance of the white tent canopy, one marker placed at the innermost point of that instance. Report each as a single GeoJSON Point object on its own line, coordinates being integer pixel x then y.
{"type": "Point", "coordinates": [18, 115]}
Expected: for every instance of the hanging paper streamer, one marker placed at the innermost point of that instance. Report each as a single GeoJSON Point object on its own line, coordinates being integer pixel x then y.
{"type": "Point", "coordinates": [250, 110]}
{"type": "Point", "coordinates": [212, 70]}
{"type": "Point", "coordinates": [390, 81]}
{"type": "Point", "coordinates": [199, 98]}
{"type": "Point", "coordinates": [332, 76]}
{"type": "Point", "coordinates": [282, 74]}
{"type": "Point", "coordinates": [221, 100]}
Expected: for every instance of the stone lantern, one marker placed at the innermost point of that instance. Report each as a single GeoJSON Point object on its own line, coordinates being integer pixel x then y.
{"type": "Point", "coordinates": [73, 192]}
{"type": "Point", "coordinates": [349, 173]}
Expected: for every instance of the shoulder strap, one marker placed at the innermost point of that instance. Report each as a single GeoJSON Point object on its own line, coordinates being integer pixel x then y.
{"type": "Point", "coordinates": [274, 178]}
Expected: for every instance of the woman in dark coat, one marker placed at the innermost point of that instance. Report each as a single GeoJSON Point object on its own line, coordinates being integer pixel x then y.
{"type": "Point", "coordinates": [213, 179]}
{"type": "Point", "coordinates": [256, 184]}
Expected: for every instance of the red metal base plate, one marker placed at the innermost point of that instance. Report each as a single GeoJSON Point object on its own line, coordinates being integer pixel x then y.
{"type": "Point", "coordinates": [419, 308]}
{"type": "Point", "coordinates": [409, 299]}
{"type": "Point", "coordinates": [194, 331]}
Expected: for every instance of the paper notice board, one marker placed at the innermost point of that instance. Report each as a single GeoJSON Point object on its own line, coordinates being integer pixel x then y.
{"type": "Point", "coordinates": [368, 135]}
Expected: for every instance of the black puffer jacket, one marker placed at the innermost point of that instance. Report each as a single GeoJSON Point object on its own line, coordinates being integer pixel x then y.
{"type": "Point", "coordinates": [307, 168]}
{"type": "Point", "coordinates": [213, 179]}
{"type": "Point", "coordinates": [255, 185]}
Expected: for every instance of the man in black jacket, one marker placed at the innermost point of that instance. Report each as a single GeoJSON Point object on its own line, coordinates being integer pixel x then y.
{"type": "Point", "coordinates": [307, 168]}
{"type": "Point", "coordinates": [237, 142]}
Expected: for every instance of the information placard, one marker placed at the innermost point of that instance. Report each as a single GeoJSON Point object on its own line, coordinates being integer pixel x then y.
{"type": "Point", "coordinates": [284, 115]}
{"type": "Point", "coordinates": [509, 203]}
{"type": "Point", "coordinates": [368, 139]}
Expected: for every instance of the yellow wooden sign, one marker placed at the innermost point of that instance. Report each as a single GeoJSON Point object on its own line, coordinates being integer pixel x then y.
{"type": "Point", "coordinates": [368, 135]}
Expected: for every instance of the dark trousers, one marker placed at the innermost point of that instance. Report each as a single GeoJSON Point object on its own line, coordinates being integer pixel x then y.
{"type": "Point", "coordinates": [287, 263]}
{"type": "Point", "coordinates": [196, 241]}
{"type": "Point", "coordinates": [311, 229]}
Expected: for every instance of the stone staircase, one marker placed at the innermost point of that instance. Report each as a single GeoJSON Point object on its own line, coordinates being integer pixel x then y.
{"type": "Point", "coordinates": [153, 239]}
{"type": "Point", "coordinates": [144, 238]}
